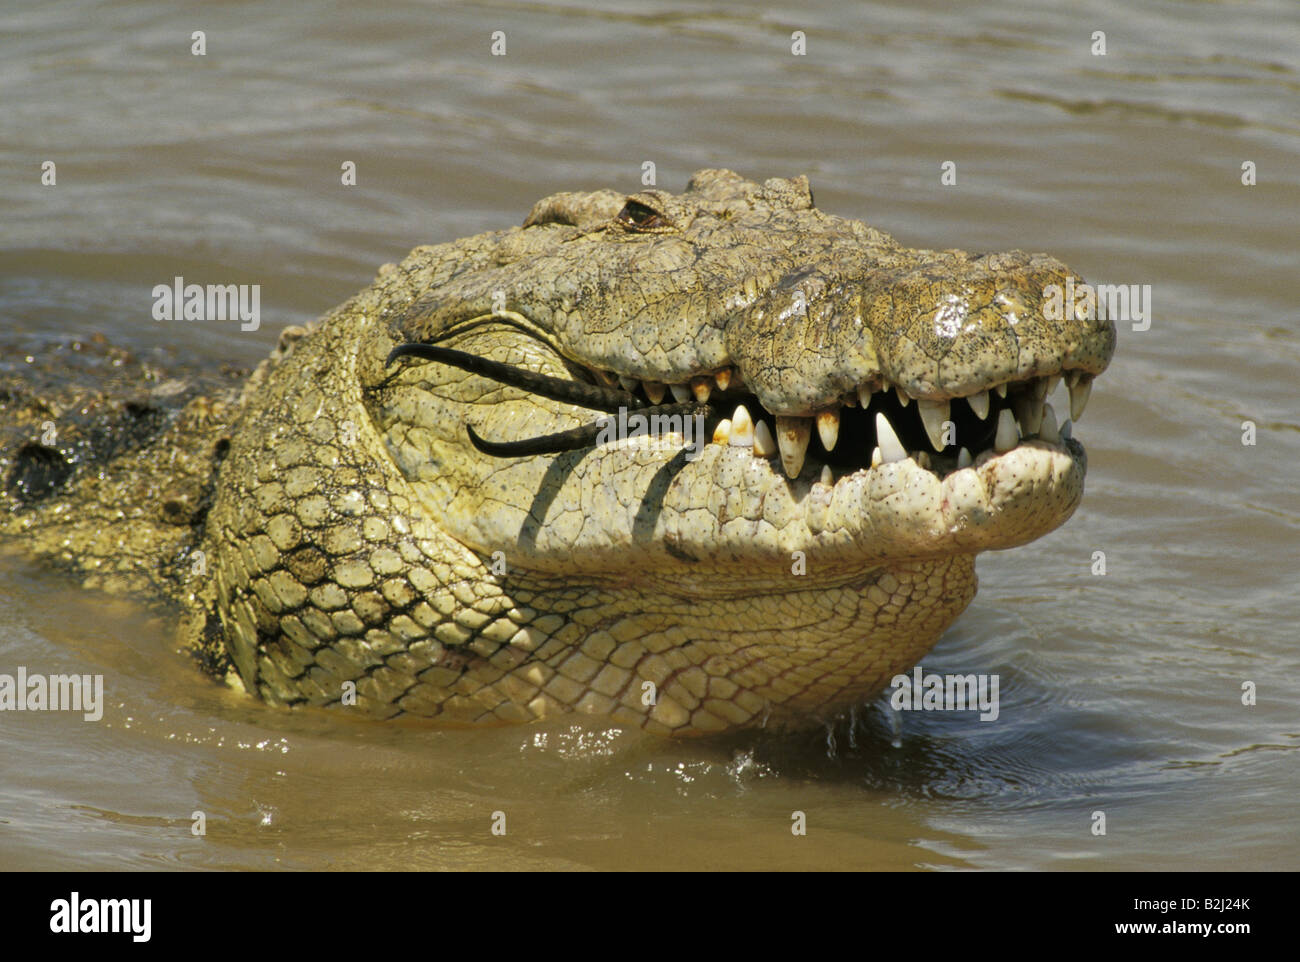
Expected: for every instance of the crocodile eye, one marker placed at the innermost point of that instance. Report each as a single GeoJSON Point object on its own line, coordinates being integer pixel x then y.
{"type": "Point", "coordinates": [638, 216]}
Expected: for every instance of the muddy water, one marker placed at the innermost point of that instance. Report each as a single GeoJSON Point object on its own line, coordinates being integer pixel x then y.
{"type": "Point", "coordinates": [1120, 692]}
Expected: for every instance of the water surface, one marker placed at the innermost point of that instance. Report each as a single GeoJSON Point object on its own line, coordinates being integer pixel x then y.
{"type": "Point", "coordinates": [1120, 692]}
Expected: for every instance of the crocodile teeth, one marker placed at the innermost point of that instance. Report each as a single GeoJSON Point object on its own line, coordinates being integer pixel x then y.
{"type": "Point", "coordinates": [629, 384]}
{"type": "Point", "coordinates": [963, 459]}
{"type": "Point", "coordinates": [655, 391]}
{"type": "Point", "coordinates": [1001, 389]}
{"type": "Point", "coordinates": [828, 428]}
{"type": "Point", "coordinates": [1048, 431]}
{"type": "Point", "coordinates": [701, 388]}
{"type": "Point", "coordinates": [681, 392]}
{"type": "Point", "coordinates": [933, 414]}
{"type": "Point", "coordinates": [877, 459]}
{"type": "Point", "coordinates": [722, 379]}
{"type": "Point", "coordinates": [903, 399]}
{"type": "Point", "coordinates": [1007, 435]}
{"type": "Point", "coordinates": [864, 395]}
{"type": "Point", "coordinates": [792, 436]}
{"type": "Point", "coordinates": [1039, 388]}
{"type": "Point", "coordinates": [891, 449]}
{"type": "Point", "coordinates": [1029, 412]}
{"type": "Point", "coordinates": [1080, 390]}
{"type": "Point", "coordinates": [1066, 429]}
{"type": "Point", "coordinates": [742, 429]}
{"type": "Point", "coordinates": [827, 478]}
{"type": "Point", "coordinates": [764, 443]}
{"type": "Point", "coordinates": [922, 458]}
{"type": "Point", "coordinates": [722, 433]}
{"type": "Point", "coordinates": [979, 404]}
{"type": "Point", "coordinates": [1052, 381]}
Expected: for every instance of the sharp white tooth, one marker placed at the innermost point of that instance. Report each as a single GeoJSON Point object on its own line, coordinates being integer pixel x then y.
{"type": "Point", "coordinates": [723, 379]}
{"type": "Point", "coordinates": [1001, 389]}
{"type": "Point", "coordinates": [864, 395]}
{"type": "Point", "coordinates": [1052, 381]}
{"type": "Point", "coordinates": [764, 443]}
{"type": "Point", "coordinates": [1067, 429]}
{"type": "Point", "coordinates": [1007, 435]}
{"type": "Point", "coordinates": [701, 388]}
{"type": "Point", "coordinates": [828, 428]}
{"type": "Point", "coordinates": [903, 399]}
{"type": "Point", "coordinates": [792, 436]}
{"type": "Point", "coordinates": [1039, 387]}
{"type": "Point", "coordinates": [654, 391]}
{"type": "Point", "coordinates": [722, 433]}
{"type": "Point", "coordinates": [891, 449]}
{"type": "Point", "coordinates": [922, 458]}
{"type": "Point", "coordinates": [742, 429]}
{"type": "Point", "coordinates": [1048, 431]}
{"type": "Point", "coordinates": [1072, 377]}
{"type": "Point", "coordinates": [963, 459]}
{"type": "Point", "coordinates": [933, 414]}
{"type": "Point", "coordinates": [827, 478]}
{"type": "Point", "coordinates": [1029, 412]}
{"type": "Point", "coordinates": [681, 392]}
{"type": "Point", "coordinates": [876, 458]}
{"type": "Point", "coordinates": [1079, 393]}
{"type": "Point", "coordinates": [979, 403]}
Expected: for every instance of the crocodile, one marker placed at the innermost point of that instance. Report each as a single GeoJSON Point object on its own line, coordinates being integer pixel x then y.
{"type": "Point", "coordinates": [691, 462]}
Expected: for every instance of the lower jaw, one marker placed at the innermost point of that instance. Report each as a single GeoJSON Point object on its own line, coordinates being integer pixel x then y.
{"type": "Point", "coordinates": [893, 512]}
{"type": "Point", "coordinates": [731, 525]}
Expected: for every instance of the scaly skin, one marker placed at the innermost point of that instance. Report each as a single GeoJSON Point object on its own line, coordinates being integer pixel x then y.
{"type": "Point", "coordinates": [350, 532]}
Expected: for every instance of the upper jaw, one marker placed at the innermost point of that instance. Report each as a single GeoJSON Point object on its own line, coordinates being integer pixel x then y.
{"type": "Point", "coordinates": [959, 353]}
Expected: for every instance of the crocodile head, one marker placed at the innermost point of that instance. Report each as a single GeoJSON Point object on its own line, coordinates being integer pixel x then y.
{"type": "Point", "coordinates": [422, 501]}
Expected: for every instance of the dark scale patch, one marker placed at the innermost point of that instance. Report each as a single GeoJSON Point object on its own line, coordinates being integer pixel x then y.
{"type": "Point", "coordinates": [267, 624]}
{"type": "Point", "coordinates": [308, 565]}
{"type": "Point", "coordinates": [93, 433]}
{"type": "Point", "coordinates": [371, 607]}
{"type": "Point", "coordinates": [210, 650]}
{"type": "Point", "coordinates": [139, 423]}
{"type": "Point", "coordinates": [176, 511]}
{"type": "Point", "coordinates": [38, 471]}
